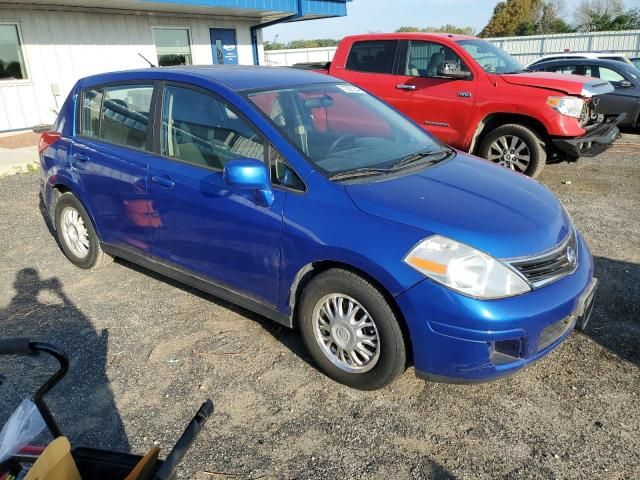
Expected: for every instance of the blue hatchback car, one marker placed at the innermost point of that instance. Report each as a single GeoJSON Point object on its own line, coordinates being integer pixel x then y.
{"type": "Point", "coordinates": [311, 202]}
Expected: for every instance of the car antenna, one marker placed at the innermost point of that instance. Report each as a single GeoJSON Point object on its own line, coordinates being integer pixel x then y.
{"type": "Point", "coordinates": [147, 60]}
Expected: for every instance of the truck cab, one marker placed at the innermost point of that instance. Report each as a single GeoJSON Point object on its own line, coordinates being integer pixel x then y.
{"type": "Point", "coordinates": [477, 98]}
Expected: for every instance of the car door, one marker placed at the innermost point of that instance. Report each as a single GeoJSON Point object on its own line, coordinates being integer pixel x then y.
{"type": "Point", "coordinates": [441, 105]}
{"type": "Point", "coordinates": [371, 64]}
{"type": "Point", "coordinates": [109, 159]}
{"type": "Point", "coordinates": [205, 227]}
{"type": "Point", "coordinates": [625, 96]}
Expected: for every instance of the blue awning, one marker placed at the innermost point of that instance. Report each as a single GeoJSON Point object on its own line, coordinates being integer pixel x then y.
{"type": "Point", "coordinates": [300, 8]}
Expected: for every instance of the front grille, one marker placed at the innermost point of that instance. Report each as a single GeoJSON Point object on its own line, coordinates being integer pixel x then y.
{"type": "Point", "coordinates": [551, 265]}
{"type": "Point", "coordinates": [589, 114]}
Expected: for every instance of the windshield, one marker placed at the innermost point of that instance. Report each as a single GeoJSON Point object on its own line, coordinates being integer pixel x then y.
{"type": "Point", "coordinates": [341, 128]}
{"type": "Point", "coordinates": [490, 57]}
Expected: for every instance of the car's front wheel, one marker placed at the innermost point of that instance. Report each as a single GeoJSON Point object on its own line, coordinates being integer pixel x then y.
{"type": "Point", "coordinates": [351, 331]}
{"type": "Point", "coordinates": [516, 147]}
{"type": "Point", "coordinates": [76, 234]}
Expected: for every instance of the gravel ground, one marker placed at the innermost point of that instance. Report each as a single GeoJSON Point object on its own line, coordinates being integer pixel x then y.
{"type": "Point", "coordinates": [146, 352]}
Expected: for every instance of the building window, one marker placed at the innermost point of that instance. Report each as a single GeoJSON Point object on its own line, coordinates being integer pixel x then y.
{"type": "Point", "coordinates": [12, 66]}
{"type": "Point", "coordinates": [173, 46]}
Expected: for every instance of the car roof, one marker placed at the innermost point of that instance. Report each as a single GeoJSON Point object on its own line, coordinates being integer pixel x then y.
{"type": "Point", "coordinates": [404, 35]}
{"type": "Point", "coordinates": [234, 77]}
{"type": "Point", "coordinates": [584, 55]}
{"type": "Point", "coordinates": [612, 64]}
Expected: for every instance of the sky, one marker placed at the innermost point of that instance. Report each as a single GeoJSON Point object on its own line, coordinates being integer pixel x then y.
{"type": "Point", "coordinates": [387, 15]}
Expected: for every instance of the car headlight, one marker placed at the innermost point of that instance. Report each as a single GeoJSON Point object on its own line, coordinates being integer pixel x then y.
{"type": "Point", "coordinates": [569, 106]}
{"type": "Point", "coordinates": [465, 269]}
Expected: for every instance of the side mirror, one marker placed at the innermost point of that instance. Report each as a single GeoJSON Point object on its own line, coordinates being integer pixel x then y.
{"type": "Point", "coordinates": [453, 70]}
{"type": "Point", "coordinates": [625, 84]}
{"type": "Point", "coordinates": [249, 174]}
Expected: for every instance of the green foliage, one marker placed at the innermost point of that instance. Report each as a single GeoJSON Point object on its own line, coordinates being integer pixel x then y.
{"type": "Point", "coordinates": [448, 28]}
{"type": "Point", "coordinates": [606, 21]}
{"type": "Point", "coordinates": [511, 17]}
{"type": "Point", "coordinates": [537, 17]}
{"type": "Point", "coordinates": [321, 42]}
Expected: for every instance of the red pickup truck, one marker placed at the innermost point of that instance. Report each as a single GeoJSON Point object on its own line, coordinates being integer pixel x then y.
{"type": "Point", "coordinates": [477, 98]}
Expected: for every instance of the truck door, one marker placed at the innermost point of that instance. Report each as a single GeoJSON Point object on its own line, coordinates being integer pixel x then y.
{"type": "Point", "coordinates": [370, 65]}
{"type": "Point", "coordinates": [441, 105]}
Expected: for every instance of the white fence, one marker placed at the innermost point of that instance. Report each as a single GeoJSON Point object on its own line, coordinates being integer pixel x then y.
{"type": "Point", "coordinates": [525, 49]}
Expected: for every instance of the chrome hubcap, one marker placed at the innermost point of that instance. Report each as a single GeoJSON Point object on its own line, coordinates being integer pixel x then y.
{"type": "Point", "coordinates": [75, 232]}
{"type": "Point", "coordinates": [346, 333]}
{"type": "Point", "coordinates": [511, 152]}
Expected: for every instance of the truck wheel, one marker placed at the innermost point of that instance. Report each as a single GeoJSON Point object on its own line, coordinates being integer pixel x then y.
{"type": "Point", "coordinates": [351, 331]}
{"type": "Point", "coordinates": [76, 234]}
{"type": "Point", "coordinates": [516, 147]}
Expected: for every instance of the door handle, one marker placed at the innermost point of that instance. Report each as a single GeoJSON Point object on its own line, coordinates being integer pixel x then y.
{"type": "Point", "coordinates": [81, 157]}
{"type": "Point", "coordinates": [404, 86]}
{"type": "Point", "coordinates": [163, 180]}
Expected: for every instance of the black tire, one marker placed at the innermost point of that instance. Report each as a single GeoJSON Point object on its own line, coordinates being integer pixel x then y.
{"type": "Point", "coordinates": [94, 257]}
{"type": "Point", "coordinates": [391, 346]}
{"type": "Point", "coordinates": [535, 144]}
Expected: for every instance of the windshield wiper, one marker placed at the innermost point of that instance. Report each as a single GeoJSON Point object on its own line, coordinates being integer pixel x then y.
{"type": "Point", "coordinates": [359, 172]}
{"type": "Point", "coordinates": [433, 157]}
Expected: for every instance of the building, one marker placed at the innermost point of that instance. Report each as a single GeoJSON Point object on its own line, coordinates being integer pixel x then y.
{"type": "Point", "coordinates": [46, 45]}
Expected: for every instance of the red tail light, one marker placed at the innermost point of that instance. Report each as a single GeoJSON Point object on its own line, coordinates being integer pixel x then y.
{"type": "Point", "coordinates": [47, 139]}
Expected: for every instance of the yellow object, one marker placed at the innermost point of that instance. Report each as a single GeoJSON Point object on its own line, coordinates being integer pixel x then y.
{"type": "Point", "coordinates": [55, 463]}
{"type": "Point", "coordinates": [428, 265]}
{"type": "Point", "coordinates": [144, 468]}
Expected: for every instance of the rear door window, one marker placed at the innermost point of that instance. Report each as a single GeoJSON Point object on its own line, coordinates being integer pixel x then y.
{"type": "Point", "coordinates": [117, 114]}
{"type": "Point", "coordinates": [567, 69]}
{"type": "Point", "coordinates": [202, 129]}
{"type": "Point", "coordinates": [124, 117]}
{"type": "Point", "coordinates": [376, 56]}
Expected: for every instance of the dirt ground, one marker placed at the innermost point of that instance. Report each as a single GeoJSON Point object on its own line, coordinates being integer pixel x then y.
{"type": "Point", "coordinates": [20, 140]}
{"type": "Point", "coordinates": [146, 352]}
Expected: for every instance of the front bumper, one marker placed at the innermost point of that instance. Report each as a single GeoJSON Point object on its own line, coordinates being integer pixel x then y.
{"type": "Point", "coordinates": [459, 339]}
{"type": "Point", "coordinates": [594, 142]}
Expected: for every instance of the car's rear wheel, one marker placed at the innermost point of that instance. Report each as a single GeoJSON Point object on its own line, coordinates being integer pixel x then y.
{"type": "Point", "coordinates": [351, 331]}
{"type": "Point", "coordinates": [76, 234]}
{"type": "Point", "coordinates": [516, 147]}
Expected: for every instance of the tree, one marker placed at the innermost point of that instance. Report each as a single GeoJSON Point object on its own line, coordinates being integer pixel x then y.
{"type": "Point", "coordinates": [587, 9]}
{"type": "Point", "coordinates": [527, 17]}
{"type": "Point", "coordinates": [509, 17]}
{"type": "Point", "coordinates": [448, 28]}
{"type": "Point", "coordinates": [602, 15]}
{"type": "Point", "coordinates": [551, 18]}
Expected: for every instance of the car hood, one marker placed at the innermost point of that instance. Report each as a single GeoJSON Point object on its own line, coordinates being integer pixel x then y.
{"type": "Point", "coordinates": [569, 84]}
{"type": "Point", "coordinates": [472, 201]}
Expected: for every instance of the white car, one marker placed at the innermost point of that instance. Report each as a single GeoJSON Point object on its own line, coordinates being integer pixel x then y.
{"type": "Point", "coordinates": [594, 55]}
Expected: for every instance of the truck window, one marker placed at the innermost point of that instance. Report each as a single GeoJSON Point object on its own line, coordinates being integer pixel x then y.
{"type": "Point", "coordinates": [373, 56]}
{"type": "Point", "coordinates": [610, 76]}
{"type": "Point", "coordinates": [426, 59]}
{"type": "Point", "coordinates": [567, 69]}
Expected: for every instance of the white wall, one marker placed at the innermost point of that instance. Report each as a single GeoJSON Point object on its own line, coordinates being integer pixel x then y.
{"type": "Point", "coordinates": [286, 58]}
{"type": "Point", "coordinates": [62, 46]}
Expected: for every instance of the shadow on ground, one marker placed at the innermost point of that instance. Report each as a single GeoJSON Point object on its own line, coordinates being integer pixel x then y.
{"type": "Point", "coordinates": [82, 403]}
{"type": "Point", "coordinates": [615, 322]}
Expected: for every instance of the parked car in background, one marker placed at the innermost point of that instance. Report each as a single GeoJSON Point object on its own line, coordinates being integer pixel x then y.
{"type": "Point", "coordinates": [477, 98]}
{"type": "Point", "coordinates": [307, 200]}
{"type": "Point", "coordinates": [635, 61]}
{"type": "Point", "coordinates": [625, 79]}
{"type": "Point", "coordinates": [572, 56]}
